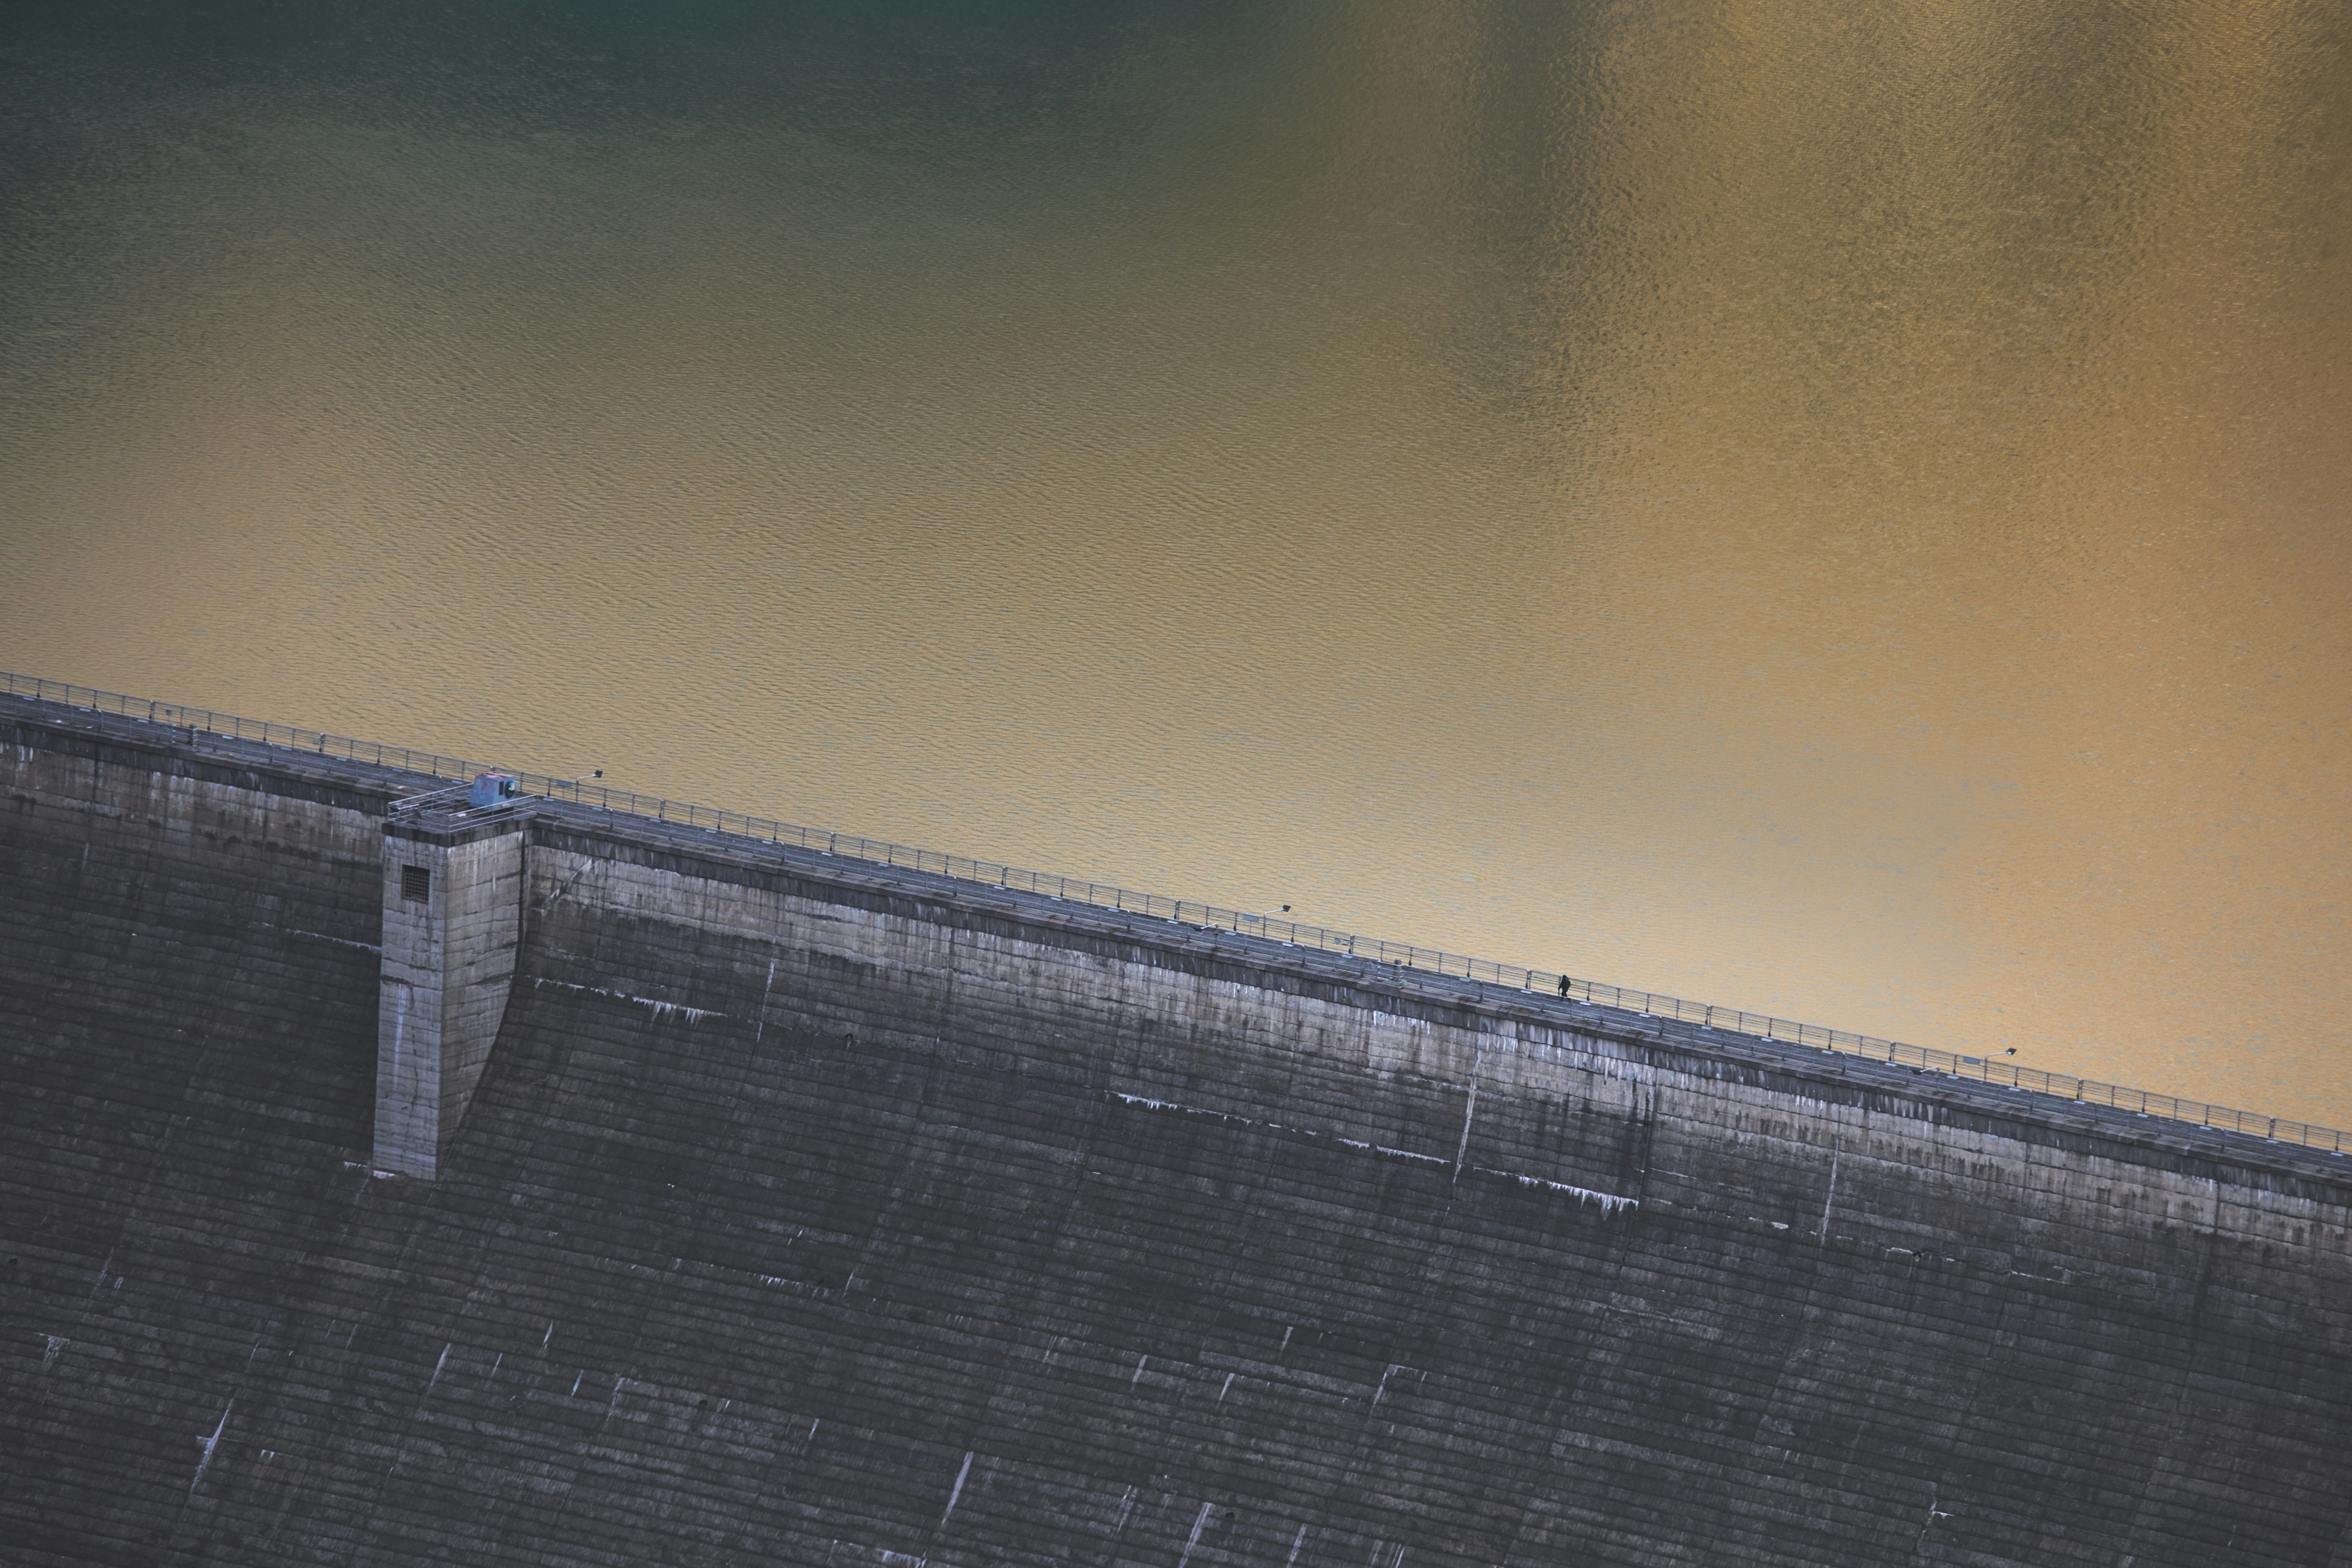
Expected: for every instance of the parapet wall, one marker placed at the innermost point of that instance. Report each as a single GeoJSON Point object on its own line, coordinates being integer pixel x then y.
{"type": "Point", "coordinates": [1197, 1021]}
{"type": "Point", "coordinates": [809, 1212]}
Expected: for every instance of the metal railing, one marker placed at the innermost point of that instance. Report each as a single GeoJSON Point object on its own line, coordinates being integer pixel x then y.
{"type": "Point", "coordinates": [1431, 960]}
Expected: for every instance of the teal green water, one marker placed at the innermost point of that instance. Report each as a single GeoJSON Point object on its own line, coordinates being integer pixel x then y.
{"type": "Point", "coordinates": [1836, 509]}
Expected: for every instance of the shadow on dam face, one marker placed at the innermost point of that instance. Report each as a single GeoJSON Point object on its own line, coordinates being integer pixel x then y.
{"type": "Point", "coordinates": [807, 1211]}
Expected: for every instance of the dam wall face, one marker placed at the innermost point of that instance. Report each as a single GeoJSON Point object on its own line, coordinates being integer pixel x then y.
{"type": "Point", "coordinates": [808, 1212]}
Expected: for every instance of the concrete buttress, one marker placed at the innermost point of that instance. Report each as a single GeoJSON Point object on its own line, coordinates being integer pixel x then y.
{"type": "Point", "coordinates": [452, 918]}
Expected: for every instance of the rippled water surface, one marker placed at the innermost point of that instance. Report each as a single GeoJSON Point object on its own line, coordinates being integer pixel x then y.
{"type": "Point", "coordinates": [1839, 509]}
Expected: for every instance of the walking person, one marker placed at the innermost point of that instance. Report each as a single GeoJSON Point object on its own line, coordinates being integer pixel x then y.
{"type": "Point", "coordinates": [1563, 984]}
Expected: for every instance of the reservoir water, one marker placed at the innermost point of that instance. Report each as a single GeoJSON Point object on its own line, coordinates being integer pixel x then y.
{"type": "Point", "coordinates": [1839, 510]}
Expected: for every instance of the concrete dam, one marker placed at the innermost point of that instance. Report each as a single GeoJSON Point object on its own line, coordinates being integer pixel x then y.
{"type": "Point", "coordinates": [387, 1180]}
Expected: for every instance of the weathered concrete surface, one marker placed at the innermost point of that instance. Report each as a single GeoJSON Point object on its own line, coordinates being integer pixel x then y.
{"type": "Point", "coordinates": [814, 1213]}
{"type": "Point", "coordinates": [448, 968]}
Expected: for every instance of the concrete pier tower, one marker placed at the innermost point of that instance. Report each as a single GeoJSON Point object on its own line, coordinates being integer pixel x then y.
{"type": "Point", "coordinates": [452, 881]}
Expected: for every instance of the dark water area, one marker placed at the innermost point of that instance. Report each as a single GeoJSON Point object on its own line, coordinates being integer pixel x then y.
{"type": "Point", "coordinates": [1839, 510]}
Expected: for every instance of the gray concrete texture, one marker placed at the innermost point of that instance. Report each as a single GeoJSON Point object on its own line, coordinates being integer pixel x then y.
{"type": "Point", "coordinates": [448, 968]}
{"type": "Point", "coordinates": [812, 1213]}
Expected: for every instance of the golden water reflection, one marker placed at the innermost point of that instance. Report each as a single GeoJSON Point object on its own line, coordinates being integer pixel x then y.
{"type": "Point", "coordinates": [1834, 509]}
